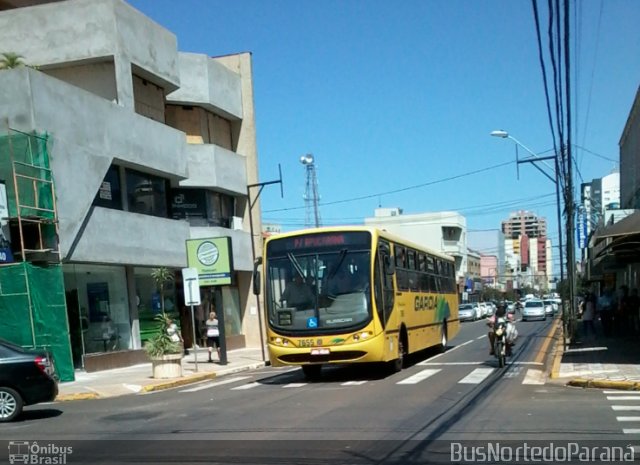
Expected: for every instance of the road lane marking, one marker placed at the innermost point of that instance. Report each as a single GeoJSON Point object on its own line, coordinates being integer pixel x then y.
{"type": "Point", "coordinates": [425, 362]}
{"type": "Point", "coordinates": [476, 376]}
{"type": "Point", "coordinates": [421, 376]}
{"type": "Point", "coordinates": [477, 363]}
{"type": "Point", "coordinates": [353, 383]}
{"type": "Point", "coordinates": [294, 385]}
{"type": "Point", "coordinates": [628, 418]}
{"type": "Point", "coordinates": [631, 431]}
{"type": "Point", "coordinates": [534, 377]}
{"type": "Point", "coordinates": [245, 386]}
{"type": "Point", "coordinates": [217, 383]}
{"type": "Point", "coordinates": [626, 407]}
{"type": "Point", "coordinates": [623, 397]}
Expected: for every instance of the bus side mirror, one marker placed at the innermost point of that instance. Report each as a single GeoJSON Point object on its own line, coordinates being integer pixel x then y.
{"type": "Point", "coordinates": [256, 276]}
{"type": "Point", "coordinates": [389, 266]}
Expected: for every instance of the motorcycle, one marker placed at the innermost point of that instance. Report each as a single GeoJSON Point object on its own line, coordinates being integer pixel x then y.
{"type": "Point", "coordinates": [500, 348]}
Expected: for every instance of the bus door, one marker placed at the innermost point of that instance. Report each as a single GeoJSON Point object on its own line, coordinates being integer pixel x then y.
{"type": "Point", "coordinates": [383, 282]}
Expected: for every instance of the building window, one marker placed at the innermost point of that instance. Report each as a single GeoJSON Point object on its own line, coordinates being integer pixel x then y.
{"type": "Point", "coordinates": [220, 209]}
{"type": "Point", "coordinates": [108, 195]}
{"type": "Point", "coordinates": [146, 193]}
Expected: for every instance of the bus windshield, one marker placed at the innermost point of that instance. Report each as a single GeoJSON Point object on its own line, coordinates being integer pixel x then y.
{"type": "Point", "coordinates": [319, 282]}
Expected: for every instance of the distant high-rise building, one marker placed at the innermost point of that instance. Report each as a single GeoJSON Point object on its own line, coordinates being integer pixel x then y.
{"type": "Point", "coordinates": [524, 222]}
{"type": "Point", "coordinates": [527, 248]}
{"type": "Point", "coordinates": [599, 196]}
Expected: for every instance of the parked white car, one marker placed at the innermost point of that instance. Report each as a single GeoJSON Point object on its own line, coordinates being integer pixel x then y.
{"type": "Point", "coordinates": [469, 312]}
{"type": "Point", "coordinates": [548, 306]}
{"type": "Point", "coordinates": [533, 310]}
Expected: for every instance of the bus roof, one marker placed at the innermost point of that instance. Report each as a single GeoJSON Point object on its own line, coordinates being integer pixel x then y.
{"type": "Point", "coordinates": [374, 231]}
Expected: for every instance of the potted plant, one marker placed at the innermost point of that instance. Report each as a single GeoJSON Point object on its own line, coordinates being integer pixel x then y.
{"type": "Point", "coordinates": [165, 353]}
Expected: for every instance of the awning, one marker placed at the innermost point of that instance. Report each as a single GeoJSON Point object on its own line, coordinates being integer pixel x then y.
{"type": "Point", "coordinates": [626, 226]}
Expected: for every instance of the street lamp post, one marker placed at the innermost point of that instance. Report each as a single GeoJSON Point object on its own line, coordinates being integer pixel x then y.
{"type": "Point", "coordinates": [556, 180]}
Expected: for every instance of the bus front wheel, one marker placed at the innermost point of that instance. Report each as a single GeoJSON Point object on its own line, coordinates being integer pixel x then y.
{"type": "Point", "coordinates": [398, 364]}
{"type": "Point", "coordinates": [312, 372]}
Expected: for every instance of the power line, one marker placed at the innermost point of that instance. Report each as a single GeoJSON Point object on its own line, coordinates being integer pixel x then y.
{"type": "Point", "coordinates": [404, 189]}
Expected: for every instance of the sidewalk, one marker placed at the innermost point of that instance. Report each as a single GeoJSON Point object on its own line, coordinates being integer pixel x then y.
{"type": "Point", "coordinates": [599, 362]}
{"type": "Point", "coordinates": [137, 379]}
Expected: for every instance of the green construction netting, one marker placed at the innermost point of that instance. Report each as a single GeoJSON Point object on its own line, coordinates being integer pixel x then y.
{"type": "Point", "coordinates": [26, 156]}
{"type": "Point", "coordinates": [33, 311]}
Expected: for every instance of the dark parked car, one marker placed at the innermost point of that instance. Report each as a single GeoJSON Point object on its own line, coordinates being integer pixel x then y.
{"type": "Point", "coordinates": [27, 377]}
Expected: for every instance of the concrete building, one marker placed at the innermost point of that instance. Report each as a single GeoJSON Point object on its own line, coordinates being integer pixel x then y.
{"type": "Point", "coordinates": [489, 266]}
{"type": "Point", "coordinates": [598, 197]}
{"type": "Point", "coordinates": [150, 147]}
{"type": "Point", "coordinates": [490, 243]}
{"type": "Point", "coordinates": [527, 249]}
{"type": "Point", "coordinates": [524, 222]}
{"type": "Point", "coordinates": [442, 231]}
{"type": "Point", "coordinates": [629, 166]}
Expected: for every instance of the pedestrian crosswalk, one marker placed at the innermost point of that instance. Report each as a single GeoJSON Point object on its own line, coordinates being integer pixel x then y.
{"type": "Point", "coordinates": [625, 404]}
{"type": "Point", "coordinates": [467, 374]}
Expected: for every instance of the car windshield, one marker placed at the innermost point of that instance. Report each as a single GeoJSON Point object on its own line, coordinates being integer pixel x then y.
{"type": "Point", "coordinates": [318, 284]}
{"type": "Point", "coordinates": [534, 304]}
{"type": "Point", "coordinates": [548, 302]}
{"type": "Point", "coordinates": [466, 307]}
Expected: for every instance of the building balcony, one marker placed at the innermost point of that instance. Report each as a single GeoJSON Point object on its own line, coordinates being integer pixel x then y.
{"type": "Point", "coordinates": [208, 84]}
{"type": "Point", "coordinates": [120, 237]}
{"type": "Point", "coordinates": [215, 167]}
{"type": "Point", "coordinates": [84, 31]}
{"type": "Point", "coordinates": [87, 135]}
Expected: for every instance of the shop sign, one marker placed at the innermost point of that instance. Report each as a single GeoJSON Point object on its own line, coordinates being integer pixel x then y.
{"type": "Point", "coordinates": [188, 203]}
{"type": "Point", "coordinates": [213, 260]}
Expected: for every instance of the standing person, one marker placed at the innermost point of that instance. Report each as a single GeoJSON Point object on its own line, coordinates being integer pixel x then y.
{"type": "Point", "coordinates": [634, 312]}
{"type": "Point", "coordinates": [588, 315]}
{"type": "Point", "coordinates": [298, 294]}
{"type": "Point", "coordinates": [605, 308]}
{"type": "Point", "coordinates": [174, 333]}
{"type": "Point", "coordinates": [213, 335]}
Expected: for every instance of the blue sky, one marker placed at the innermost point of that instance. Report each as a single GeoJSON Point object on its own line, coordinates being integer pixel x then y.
{"type": "Point", "coordinates": [392, 95]}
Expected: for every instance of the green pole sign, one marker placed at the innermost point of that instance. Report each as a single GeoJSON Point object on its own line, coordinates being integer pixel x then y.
{"type": "Point", "coordinates": [212, 258]}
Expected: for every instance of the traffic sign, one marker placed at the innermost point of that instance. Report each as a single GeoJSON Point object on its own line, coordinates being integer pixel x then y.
{"type": "Point", "coordinates": [191, 286]}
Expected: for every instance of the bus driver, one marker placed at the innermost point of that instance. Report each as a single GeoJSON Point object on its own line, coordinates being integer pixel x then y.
{"type": "Point", "coordinates": [298, 294]}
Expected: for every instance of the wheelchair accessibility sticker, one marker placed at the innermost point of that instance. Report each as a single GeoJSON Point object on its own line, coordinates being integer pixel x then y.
{"type": "Point", "coordinates": [312, 322]}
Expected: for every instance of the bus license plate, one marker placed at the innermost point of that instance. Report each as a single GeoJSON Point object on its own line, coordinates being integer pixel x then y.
{"type": "Point", "coordinates": [320, 351]}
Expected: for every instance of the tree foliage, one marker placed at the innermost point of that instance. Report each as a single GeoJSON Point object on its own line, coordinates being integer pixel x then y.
{"type": "Point", "coordinates": [11, 60]}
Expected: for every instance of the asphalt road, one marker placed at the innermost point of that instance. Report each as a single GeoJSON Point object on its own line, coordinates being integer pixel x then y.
{"type": "Point", "coordinates": [352, 415]}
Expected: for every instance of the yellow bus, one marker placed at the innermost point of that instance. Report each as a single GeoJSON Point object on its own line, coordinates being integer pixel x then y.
{"type": "Point", "coordinates": [337, 295]}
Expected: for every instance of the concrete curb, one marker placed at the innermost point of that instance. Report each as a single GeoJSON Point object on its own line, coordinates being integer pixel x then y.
{"type": "Point", "coordinates": [604, 384]}
{"type": "Point", "coordinates": [77, 396]}
{"type": "Point", "coordinates": [178, 382]}
{"type": "Point", "coordinates": [557, 352]}
{"type": "Point", "coordinates": [549, 346]}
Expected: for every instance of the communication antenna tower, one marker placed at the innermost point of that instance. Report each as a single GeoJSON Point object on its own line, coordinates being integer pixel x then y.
{"type": "Point", "coordinates": [311, 196]}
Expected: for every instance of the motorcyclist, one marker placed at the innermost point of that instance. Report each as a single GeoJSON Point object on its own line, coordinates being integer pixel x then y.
{"type": "Point", "coordinates": [501, 312]}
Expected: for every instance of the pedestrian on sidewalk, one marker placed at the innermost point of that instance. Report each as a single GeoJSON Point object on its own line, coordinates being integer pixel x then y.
{"type": "Point", "coordinates": [213, 335]}
{"type": "Point", "coordinates": [634, 312]}
{"type": "Point", "coordinates": [588, 315]}
{"type": "Point", "coordinates": [621, 315]}
{"type": "Point", "coordinates": [605, 309]}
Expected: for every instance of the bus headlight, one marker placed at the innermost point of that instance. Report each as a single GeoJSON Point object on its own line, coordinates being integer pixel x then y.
{"type": "Point", "coordinates": [362, 335]}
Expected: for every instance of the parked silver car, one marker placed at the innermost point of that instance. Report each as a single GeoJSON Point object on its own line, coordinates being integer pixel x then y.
{"type": "Point", "coordinates": [469, 312]}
